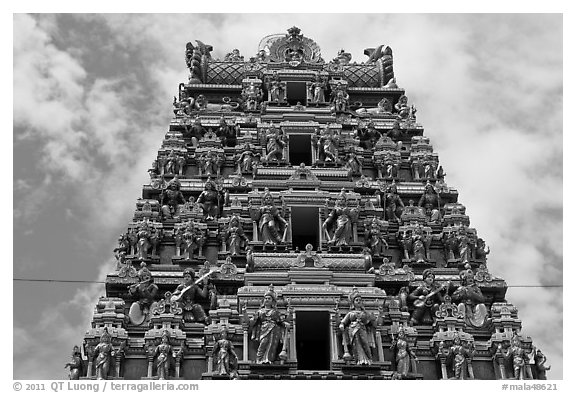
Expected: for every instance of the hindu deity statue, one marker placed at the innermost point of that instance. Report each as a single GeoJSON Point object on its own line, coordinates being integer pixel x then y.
{"type": "Point", "coordinates": [171, 198]}
{"type": "Point", "coordinates": [340, 220]}
{"type": "Point", "coordinates": [358, 329]}
{"type": "Point", "coordinates": [144, 292]}
{"type": "Point", "coordinates": [405, 356]}
{"type": "Point", "coordinates": [470, 300]}
{"type": "Point", "coordinates": [210, 200]}
{"type": "Point", "coordinates": [426, 298]}
{"type": "Point", "coordinates": [225, 356]}
{"type": "Point", "coordinates": [235, 237]}
{"type": "Point", "coordinates": [430, 201]}
{"type": "Point", "coordinates": [274, 144]}
{"type": "Point", "coordinates": [163, 354]}
{"type": "Point", "coordinates": [270, 221]}
{"type": "Point", "coordinates": [392, 204]}
{"type": "Point", "coordinates": [103, 354]}
{"type": "Point", "coordinates": [189, 293]}
{"type": "Point", "coordinates": [76, 365]}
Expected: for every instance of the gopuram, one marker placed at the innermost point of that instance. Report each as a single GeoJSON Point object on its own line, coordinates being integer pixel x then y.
{"type": "Point", "coordinates": [298, 225]}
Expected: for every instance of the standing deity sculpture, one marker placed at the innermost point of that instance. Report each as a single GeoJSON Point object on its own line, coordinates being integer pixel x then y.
{"type": "Point", "coordinates": [275, 88]}
{"type": "Point", "coordinates": [539, 367]}
{"type": "Point", "coordinates": [404, 354]}
{"type": "Point", "coordinates": [143, 245]}
{"type": "Point", "coordinates": [210, 163]}
{"type": "Point", "coordinates": [275, 143]}
{"type": "Point", "coordinates": [317, 90]}
{"type": "Point", "coordinates": [170, 198]}
{"type": "Point", "coordinates": [340, 221]}
{"type": "Point", "coordinates": [144, 293]}
{"type": "Point", "coordinates": [405, 112]}
{"type": "Point", "coordinates": [481, 250]}
{"type": "Point", "coordinates": [459, 354]}
{"type": "Point", "coordinates": [235, 237]}
{"type": "Point", "coordinates": [270, 222]}
{"type": "Point", "coordinates": [415, 243]}
{"type": "Point", "coordinates": [163, 354]}
{"type": "Point", "coordinates": [225, 356]}
{"type": "Point", "coordinates": [367, 135]}
{"type": "Point", "coordinates": [189, 293]}
{"type": "Point", "coordinates": [340, 99]}
{"type": "Point", "coordinates": [76, 365]}
{"type": "Point", "coordinates": [174, 164]}
{"type": "Point", "coordinates": [358, 331]}
{"type": "Point", "coordinates": [516, 355]}
{"type": "Point", "coordinates": [328, 146]}
{"type": "Point", "coordinates": [431, 201]}
{"type": "Point", "coordinates": [375, 236]}
{"type": "Point", "coordinates": [269, 329]}
{"type": "Point", "coordinates": [426, 298]}
{"type": "Point", "coordinates": [470, 300]}
{"type": "Point", "coordinates": [392, 204]}
{"type": "Point", "coordinates": [211, 201]}
{"type": "Point", "coordinates": [189, 239]}
{"type": "Point", "coordinates": [465, 245]}
{"type": "Point", "coordinates": [252, 96]}
{"type": "Point", "coordinates": [247, 160]}
{"type": "Point", "coordinates": [353, 163]}
{"type": "Point", "coordinates": [103, 354]}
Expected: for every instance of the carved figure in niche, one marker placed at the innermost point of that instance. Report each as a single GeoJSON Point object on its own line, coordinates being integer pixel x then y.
{"type": "Point", "coordinates": [170, 198]}
{"type": "Point", "coordinates": [375, 238]}
{"type": "Point", "coordinates": [416, 244]}
{"type": "Point", "coordinates": [163, 354]}
{"type": "Point", "coordinates": [458, 355]}
{"type": "Point", "coordinates": [450, 244]}
{"type": "Point", "coordinates": [517, 355]}
{"type": "Point", "coordinates": [76, 365]}
{"type": "Point", "coordinates": [269, 328]}
{"type": "Point", "coordinates": [405, 111]}
{"type": "Point", "coordinates": [329, 141]}
{"type": "Point", "coordinates": [395, 133]}
{"type": "Point", "coordinates": [317, 90]}
{"type": "Point", "coordinates": [143, 234]}
{"type": "Point", "coordinates": [234, 56]}
{"type": "Point", "coordinates": [154, 172]}
{"type": "Point", "coordinates": [252, 95]}
{"type": "Point", "coordinates": [270, 221]}
{"type": "Point", "coordinates": [405, 356]}
{"type": "Point", "coordinates": [122, 250]}
{"type": "Point", "coordinates": [358, 329]}
{"type": "Point", "coordinates": [465, 244]}
{"type": "Point", "coordinates": [342, 57]}
{"type": "Point", "coordinates": [226, 133]}
{"type": "Point", "coordinates": [225, 356]}
{"type": "Point", "coordinates": [340, 99]}
{"type": "Point", "coordinates": [211, 163]}
{"type": "Point", "coordinates": [274, 144]}
{"type": "Point", "coordinates": [196, 132]}
{"type": "Point", "coordinates": [471, 300]}
{"type": "Point", "coordinates": [144, 292]}
{"type": "Point", "coordinates": [430, 201]}
{"type": "Point", "coordinates": [247, 160]}
{"type": "Point", "coordinates": [103, 354]}
{"type": "Point", "coordinates": [392, 204]}
{"type": "Point", "coordinates": [235, 237]}
{"type": "Point", "coordinates": [426, 298]}
{"type": "Point", "coordinates": [190, 239]}
{"type": "Point", "coordinates": [389, 168]}
{"type": "Point", "coordinates": [174, 164]}
{"type": "Point", "coordinates": [275, 88]}
{"type": "Point", "coordinates": [539, 367]}
{"type": "Point", "coordinates": [211, 201]}
{"type": "Point", "coordinates": [384, 106]}
{"type": "Point", "coordinates": [367, 135]}
{"type": "Point", "coordinates": [353, 162]}
{"type": "Point", "coordinates": [341, 219]}
{"type": "Point", "coordinates": [188, 295]}
{"type": "Point", "coordinates": [481, 250]}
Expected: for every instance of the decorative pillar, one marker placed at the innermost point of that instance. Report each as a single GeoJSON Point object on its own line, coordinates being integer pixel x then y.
{"type": "Point", "coordinates": [210, 358]}
{"type": "Point", "coordinates": [150, 364]}
{"type": "Point", "coordinates": [379, 344]}
{"type": "Point", "coordinates": [90, 355]}
{"type": "Point", "coordinates": [470, 370]}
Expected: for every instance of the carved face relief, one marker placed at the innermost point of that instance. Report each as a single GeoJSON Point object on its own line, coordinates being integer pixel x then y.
{"type": "Point", "coordinates": [268, 301]}
{"type": "Point", "coordinates": [188, 279]}
{"type": "Point", "coordinates": [429, 279]}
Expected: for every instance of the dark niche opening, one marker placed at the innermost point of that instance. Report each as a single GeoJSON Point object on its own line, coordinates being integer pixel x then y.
{"type": "Point", "coordinates": [313, 340]}
{"type": "Point", "coordinates": [296, 93]}
{"type": "Point", "coordinates": [305, 227]}
{"type": "Point", "coordinates": [300, 148]}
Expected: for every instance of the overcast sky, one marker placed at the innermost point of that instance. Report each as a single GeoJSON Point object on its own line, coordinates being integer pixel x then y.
{"type": "Point", "coordinates": [92, 101]}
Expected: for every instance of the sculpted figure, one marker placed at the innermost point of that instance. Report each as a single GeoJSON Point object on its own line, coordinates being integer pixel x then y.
{"type": "Point", "coordinates": [481, 250]}
{"type": "Point", "coordinates": [170, 198]}
{"type": "Point", "coordinates": [144, 292]}
{"type": "Point", "coordinates": [268, 329]}
{"type": "Point", "coordinates": [210, 163]}
{"type": "Point", "coordinates": [317, 90]}
{"type": "Point", "coordinates": [234, 56]}
{"type": "Point", "coordinates": [252, 95]}
{"type": "Point", "coordinates": [226, 133]}
{"type": "Point", "coordinates": [270, 222]}
{"type": "Point", "coordinates": [459, 354]}
{"type": "Point", "coordinates": [518, 356]}
{"type": "Point", "coordinates": [196, 131]}
{"type": "Point", "coordinates": [210, 200]}
{"type": "Point", "coordinates": [340, 219]}
{"type": "Point", "coordinates": [395, 133]}
{"type": "Point", "coordinates": [275, 88]}
{"type": "Point", "coordinates": [188, 294]}
{"type": "Point", "coordinates": [247, 160]}
{"type": "Point", "coordinates": [375, 239]}
{"type": "Point", "coordinates": [76, 364]}
{"type": "Point", "coordinates": [340, 99]}
{"type": "Point", "coordinates": [328, 146]}
{"type": "Point", "coordinates": [260, 56]}
{"type": "Point", "coordinates": [274, 144]}
{"type": "Point", "coordinates": [430, 201]}
{"type": "Point", "coordinates": [465, 244]}
{"type": "Point", "coordinates": [471, 300]}
{"type": "Point", "coordinates": [103, 353]}
{"type": "Point", "coordinates": [426, 298]}
{"type": "Point", "coordinates": [353, 163]}
{"type": "Point", "coordinates": [367, 135]}
{"type": "Point", "coordinates": [405, 356]}
{"type": "Point", "coordinates": [235, 237]}
{"type": "Point", "coordinates": [416, 244]}
{"type": "Point", "coordinates": [224, 356]}
{"type": "Point", "coordinates": [358, 331]}
{"type": "Point", "coordinates": [539, 368]}
{"type": "Point", "coordinates": [190, 239]}
{"type": "Point", "coordinates": [393, 205]}
{"type": "Point", "coordinates": [174, 164]}
{"type": "Point", "coordinates": [143, 244]}
{"type": "Point", "coordinates": [163, 353]}
{"type": "Point", "coordinates": [342, 57]}
{"type": "Point", "coordinates": [404, 110]}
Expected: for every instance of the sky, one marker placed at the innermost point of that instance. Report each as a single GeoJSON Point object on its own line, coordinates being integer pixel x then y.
{"type": "Point", "coordinates": [92, 97]}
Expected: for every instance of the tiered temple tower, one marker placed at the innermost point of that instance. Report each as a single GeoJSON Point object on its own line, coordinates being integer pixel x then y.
{"type": "Point", "coordinates": [297, 224]}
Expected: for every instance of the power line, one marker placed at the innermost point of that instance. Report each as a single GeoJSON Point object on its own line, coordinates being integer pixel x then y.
{"type": "Point", "coordinates": [104, 282]}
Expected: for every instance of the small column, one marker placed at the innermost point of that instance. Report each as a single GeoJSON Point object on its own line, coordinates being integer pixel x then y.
{"type": "Point", "coordinates": [443, 367]}
{"type": "Point", "coordinates": [118, 359]}
{"type": "Point", "coordinates": [255, 231]}
{"type": "Point", "coordinates": [178, 364]}
{"type": "Point", "coordinates": [470, 370]}
{"type": "Point", "coordinates": [210, 359]}
{"type": "Point", "coordinates": [150, 365]}
{"type": "Point", "coordinates": [501, 366]}
{"type": "Point", "coordinates": [379, 344]}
